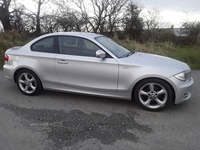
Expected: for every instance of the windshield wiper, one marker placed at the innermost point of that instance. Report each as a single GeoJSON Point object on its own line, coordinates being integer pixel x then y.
{"type": "Point", "coordinates": [130, 53]}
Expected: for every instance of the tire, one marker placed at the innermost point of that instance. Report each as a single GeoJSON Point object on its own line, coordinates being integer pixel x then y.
{"type": "Point", "coordinates": [153, 94]}
{"type": "Point", "coordinates": [28, 82]}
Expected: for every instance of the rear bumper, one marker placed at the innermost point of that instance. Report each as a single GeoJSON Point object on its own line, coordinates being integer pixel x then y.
{"type": "Point", "coordinates": [8, 72]}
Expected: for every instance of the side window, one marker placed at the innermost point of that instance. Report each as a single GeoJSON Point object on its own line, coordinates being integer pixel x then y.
{"type": "Point", "coordinates": [77, 46]}
{"type": "Point", "coordinates": [44, 45]}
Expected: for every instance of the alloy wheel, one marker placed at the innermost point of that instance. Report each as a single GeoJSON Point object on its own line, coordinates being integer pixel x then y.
{"type": "Point", "coordinates": [27, 83]}
{"type": "Point", "coordinates": [153, 95]}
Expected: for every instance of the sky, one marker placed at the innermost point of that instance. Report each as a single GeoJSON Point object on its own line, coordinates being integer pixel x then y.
{"type": "Point", "coordinates": [175, 11]}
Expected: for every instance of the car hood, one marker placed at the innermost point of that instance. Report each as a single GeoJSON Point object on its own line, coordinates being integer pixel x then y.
{"type": "Point", "coordinates": [156, 61]}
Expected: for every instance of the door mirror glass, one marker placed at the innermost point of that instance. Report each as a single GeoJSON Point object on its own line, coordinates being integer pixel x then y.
{"type": "Point", "coordinates": [100, 54]}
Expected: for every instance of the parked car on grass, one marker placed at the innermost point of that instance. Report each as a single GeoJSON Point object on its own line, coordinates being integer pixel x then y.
{"type": "Point", "coordinates": [93, 64]}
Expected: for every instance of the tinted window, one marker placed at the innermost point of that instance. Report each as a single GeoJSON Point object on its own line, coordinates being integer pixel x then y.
{"type": "Point", "coordinates": [77, 46]}
{"type": "Point", "coordinates": [44, 45]}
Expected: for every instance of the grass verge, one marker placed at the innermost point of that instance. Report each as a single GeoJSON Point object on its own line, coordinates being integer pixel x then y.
{"type": "Point", "coordinates": [188, 54]}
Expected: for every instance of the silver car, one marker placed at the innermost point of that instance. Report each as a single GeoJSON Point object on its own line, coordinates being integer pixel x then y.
{"type": "Point", "coordinates": [93, 64]}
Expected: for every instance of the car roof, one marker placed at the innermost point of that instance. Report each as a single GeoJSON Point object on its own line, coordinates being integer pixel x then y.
{"type": "Point", "coordinates": [79, 34]}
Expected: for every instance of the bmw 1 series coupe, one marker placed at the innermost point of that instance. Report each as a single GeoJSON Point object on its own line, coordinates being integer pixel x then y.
{"type": "Point", "coordinates": [89, 63]}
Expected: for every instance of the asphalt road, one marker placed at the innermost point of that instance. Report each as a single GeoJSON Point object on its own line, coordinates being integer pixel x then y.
{"type": "Point", "coordinates": [63, 121]}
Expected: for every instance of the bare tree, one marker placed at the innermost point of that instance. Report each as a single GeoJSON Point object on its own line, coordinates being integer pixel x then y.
{"type": "Point", "coordinates": [69, 19]}
{"type": "Point", "coordinates": [18, 18]}
{"type": "Point", "coordinates": [114, 17]}
{"type": "Point", "coordinates": [100, 8]}
{"type": "Point", "coordinates": [154, 23]}
{"type": "Point", "coordinates": [38, 18]}
{"type": "Point", "coordinates": [48, 23]}
{"type": "Point", "coordinates": [5, 14]}
{"type": "Point", "coordinates": [154, 20]}
{"type": "Point", "coordinates": [39, 4]}
{"type": "Point", "coordinates": [102, 15]}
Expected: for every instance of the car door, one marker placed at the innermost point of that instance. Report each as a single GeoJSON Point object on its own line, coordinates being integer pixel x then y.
{"type": "Point", "coordinates": [78, 68]}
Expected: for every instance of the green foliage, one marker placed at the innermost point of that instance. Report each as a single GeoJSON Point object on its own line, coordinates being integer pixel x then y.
{"type": "Point", "coordinates": [193, 29]}
{"type": "Point", "coordinates": [133, 22]}
{"type": "Point", "coordinates": [167, 37]}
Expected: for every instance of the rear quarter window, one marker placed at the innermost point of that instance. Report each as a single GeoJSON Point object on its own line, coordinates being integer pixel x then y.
{"type": "Point", "coordinates": [44, 45]}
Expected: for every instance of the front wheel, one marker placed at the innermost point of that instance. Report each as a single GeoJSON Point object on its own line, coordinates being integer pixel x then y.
{"type": "Point", "coordinates": [28, 82]}
{"type": "Point", "coordinates": [153, 94]}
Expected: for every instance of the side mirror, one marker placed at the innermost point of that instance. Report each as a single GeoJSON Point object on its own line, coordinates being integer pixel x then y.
{"type": "Point", "coordinates": [100, 54]}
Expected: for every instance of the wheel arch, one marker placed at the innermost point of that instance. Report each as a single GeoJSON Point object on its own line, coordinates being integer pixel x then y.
{"type": "Point", "coordinates": [173, 91]}
{"type": "Point", "coordinates": [19, 69]}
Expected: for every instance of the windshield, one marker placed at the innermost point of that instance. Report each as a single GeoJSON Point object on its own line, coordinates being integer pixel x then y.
{"type": "Point", "coordinates": [113, 47]}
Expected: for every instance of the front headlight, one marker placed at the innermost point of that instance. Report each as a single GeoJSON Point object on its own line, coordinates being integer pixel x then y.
{"type": "Point", "coordinates": [183, 76]}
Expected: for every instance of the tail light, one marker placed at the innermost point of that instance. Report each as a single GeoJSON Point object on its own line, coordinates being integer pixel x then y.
{"type": "Point", "coordinates": [6, 58]}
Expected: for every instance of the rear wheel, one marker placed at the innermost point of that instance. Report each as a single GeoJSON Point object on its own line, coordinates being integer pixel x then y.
{"type": "Point", "coordinates": [28, 82]}
{"type": "Point", "coordinates": [153, 94]}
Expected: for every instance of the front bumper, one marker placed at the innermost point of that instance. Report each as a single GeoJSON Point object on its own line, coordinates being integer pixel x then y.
{"type": "Point", "coordinates": [182, 89]}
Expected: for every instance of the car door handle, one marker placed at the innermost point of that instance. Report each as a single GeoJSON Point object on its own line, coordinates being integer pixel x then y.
{"type": "Point", "coordinates": [62, 61]}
